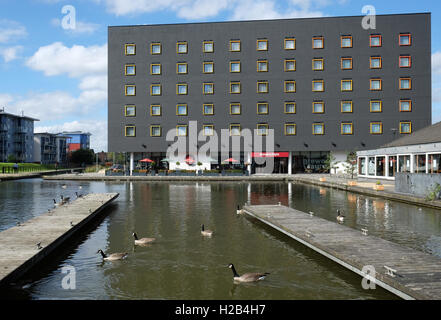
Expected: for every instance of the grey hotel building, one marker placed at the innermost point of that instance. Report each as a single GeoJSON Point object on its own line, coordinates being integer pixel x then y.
{"type": "Point", "coordinates": [322, 84]}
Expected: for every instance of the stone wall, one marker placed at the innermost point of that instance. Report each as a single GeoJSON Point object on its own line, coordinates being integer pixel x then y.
{"type": "Point", "coordinates": [418, 184]}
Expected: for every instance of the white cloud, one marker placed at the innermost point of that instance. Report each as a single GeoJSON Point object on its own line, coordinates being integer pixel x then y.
{"type": "Point", "coordinates": [10, 53]}
{"type": "Point", "coordinates": [436, 63]}
{"type": "Point", "coordinates": [77, 61]}
{"type": "Point", "coordinates": [237, 9]}
{"type": "Point", "coordinates": [10, 31]}
{"type": "Point", "coordinates": [81, 27]}
{"type": "Point", "coordinates": [98, 129]}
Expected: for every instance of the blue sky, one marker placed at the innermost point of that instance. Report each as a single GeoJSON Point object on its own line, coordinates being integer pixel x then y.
{"type": "Point", "coordinates": [43, 66]}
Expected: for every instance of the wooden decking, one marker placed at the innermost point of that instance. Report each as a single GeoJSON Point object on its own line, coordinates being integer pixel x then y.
{"type": "Point", "coordinates": [417, 276]}
{"type": "Point", "coordinates": [19, 251]}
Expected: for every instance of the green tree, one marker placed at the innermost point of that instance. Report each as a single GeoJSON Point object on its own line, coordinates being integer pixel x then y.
{"type": "Point", "coordinates": [351, 163]}
{"type": "Point", "coordinates": [81, 156]}
{"type": "Point", "coordinates": [329, 161]}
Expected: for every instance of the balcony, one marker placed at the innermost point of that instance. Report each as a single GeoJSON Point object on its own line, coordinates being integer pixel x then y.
{"type": "Point", "coordinates": [3, 127]}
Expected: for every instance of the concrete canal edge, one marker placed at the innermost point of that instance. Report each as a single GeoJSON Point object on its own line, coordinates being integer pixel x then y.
{"type": "Point", "coordinates": [38, 174]}
{"type": "Point", "coordinates": [417, 274]}
{"type": "Point", "coordinates": [19, 252]}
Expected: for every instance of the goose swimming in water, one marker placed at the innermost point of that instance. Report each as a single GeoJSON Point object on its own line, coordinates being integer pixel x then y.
{"type": "Point", "coordinates": [113, 256]}
{"type": "Point", "coordinates": [340, 217]}
{"type": "Point", "coordinates": [206, 233]}
{"type": "Point", "coordinates": [247, 277]}
{"type": "Point", "coordinates": [142, 240]}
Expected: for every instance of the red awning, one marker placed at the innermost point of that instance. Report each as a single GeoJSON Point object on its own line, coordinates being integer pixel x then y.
{"type": "Point", "coordinates": [189, 160]}
{"type": "Point", "coordinates": [269, 154]}
{"type": "Point", "coordinates": [230, 160]}
{"type": "Point", "coordinates": [146, 160]}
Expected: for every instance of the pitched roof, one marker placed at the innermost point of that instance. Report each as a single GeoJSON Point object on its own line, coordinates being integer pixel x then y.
{"type": "Point", "coordinates": [430, 134]}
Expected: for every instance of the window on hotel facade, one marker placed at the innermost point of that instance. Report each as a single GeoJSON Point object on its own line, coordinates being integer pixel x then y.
{"type": "Point", "coordinates": [405, 84]}
{"type": "Point", "coordinates": [208, 88]}
{"type": "Point", "coordinates": [155, 130]}
{"type": "Point", "coordinates": [405, 127]}
{"type": "Point", "coordinates": [346, 85]}
{"type": "Point", "coordinates": [208, 109]}
{"type": "Point", "coordinates": [234, 66]}
{"type": "Point", "coordinates": [375, 40]}
{"type": "Point", "coordinates": [182, 47]}
{"type": "Point", "coordinates": [405, 39]}
{"type": "Point", "coordinates": [130, 90]}
{"type": "Point", "coordinates": [375, 63]}
{"type": "Point", "coordinates": [318, 107]}
{"type": "Point", "coordinates": [130, 131]}
{"type": "Point", "coordinates": [262, 66]}
{"type": "Point", "coordinates": [346, 106]}
{"type": "Point", "coordinates": [405, 105]}
{"type": "Point", "coordinates": [346, 41]}
{"type": "Point", "coordinates": [376, 106]}
{"type": "Point", "coordinates": [262, 45]}
{"type": "Point", "coordinates": [181, 89]}
{"type": "Point", "coordinates": [155, 69]}
{"type": "Point", "coordinates": [405, 62]}
{"type": "Point", "coordinates": [181, 68]}
{"type": "Point", "coordinates": [130, 70]}
{"type": "Point", "coordinates": [234, 129]}
{"type": "Point", "coordinates": [208, 129]}
{"type": "Point", "coordinates": [346, 63]}
{"type": "Point", "coordinates": [235, 45]}
{"type": "Point", "coordinates": [235, 87]}
{"type": "Point", "coordinates": [262, 86]}
{"type": "Point", "coordinates": [208, 67]}
{"type": "Point", "coordinates": [375, 84]}
{"type": "Point", "coordinates": [346, 128]}
{"type": "Point", "coordinates": [290, 86]}
{"type": "Point", "coordinates": [181, 109]}
{"type": "Point", "coordinates": [290, 107]}
{"type": "Point", "coordinates": [130, 49]}
{"type": "Point", "coordinates": [318, 43]}
{"type": "Point", "coordinates": [155, 110]}
{"type": "Point", "coordinates": [130, 111]}
{"type": "Point", "coordinates": [318, 85]}
{"type": "Point", "coordinates": [262, 108]}
{"type": "Point", "coordinates": [290, 129]}
{"type": "Point", "coordinates": [155, 48]}
{"type": "Point", "coordinates": [318, 64]}
{"type": "Point", "coordinates": [290, 65]}
{"type": "Point", "coordinates": [376, 127]}
{"type": "Point", "coordinates": [181, 130]}
{"type": "Point", "coordinates": [318, 128]}
{"type": "Point", "coordinates": [290, 44]}
{"type": "Point", "coordinates": [235, 109]}
{"type": "Point", "coordinates": [262, 129]}
{"type": "Point", "coordinates": [155, 90]}
{"type": "Point", "coordinates": [208, 46]}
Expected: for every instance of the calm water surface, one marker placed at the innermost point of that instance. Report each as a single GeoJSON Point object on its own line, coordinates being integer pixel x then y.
{"type": "Point", "coordinates": [184, 265]}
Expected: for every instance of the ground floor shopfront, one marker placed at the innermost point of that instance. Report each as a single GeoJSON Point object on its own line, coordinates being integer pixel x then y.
{"type": "Point", "coordinates": [386, 162]}
{"type": "Point", "coordinates": [283, 162]}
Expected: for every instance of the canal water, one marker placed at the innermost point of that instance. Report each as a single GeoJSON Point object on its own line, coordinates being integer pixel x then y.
{"type": "Point", "coordinates": [182, 264]}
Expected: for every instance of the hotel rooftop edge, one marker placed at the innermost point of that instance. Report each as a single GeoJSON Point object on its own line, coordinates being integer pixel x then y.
{"type": "Point", "coordinates": [327, 83]}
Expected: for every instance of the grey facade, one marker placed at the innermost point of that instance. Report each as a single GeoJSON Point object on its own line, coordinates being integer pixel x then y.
{"type": "Point", "coordinates": [16, 137]}
{"type": "Point", "coordinates": [275, 32]}
{"type": "Point", "coordinates": [50, 148]}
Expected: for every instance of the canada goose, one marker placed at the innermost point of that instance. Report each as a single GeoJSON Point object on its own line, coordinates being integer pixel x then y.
{"type": "Point", "coordinates": [247, 277]}
{"type": "Point", "coordinates": [64, 186]}
{"type": "Point", "coordinates": [39, 247]}
{"type": "Point", "coordinates": [113, 256]}
{"type": "Point", "coordinates": [238, 211]}
{"type": "Point", "coordinates": [206, 233]}
{"type": "Point", "coordinates": [142, 240]}
{"type": "Point", "coordinates": [64, 200]}
{"type": "Point", "coordinates": [78, 195]}
{"type": "Point", "coordinates": [340, 217]}
{"type": "Point", "coordinates": [57, 204]}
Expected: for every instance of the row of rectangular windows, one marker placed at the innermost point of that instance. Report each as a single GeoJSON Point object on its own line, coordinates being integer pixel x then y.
{"type": "Point", "coordinates": [318, 64]}
{"type": "Point", "coordinates": [290, 129]}
{"type": "Point", "coordinates": [289, 43]}
{"type": "Point", "coordinates": [376, 84]}
{"type": "Point", "coordinates": [263, 108]}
